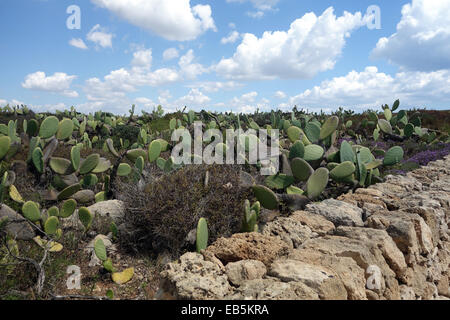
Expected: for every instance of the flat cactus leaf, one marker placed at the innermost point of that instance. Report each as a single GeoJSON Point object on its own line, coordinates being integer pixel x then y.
{"type": "Point", "coordinates": [85, 217]}
{"type": "Point", "coordinates": [330, 126]}
{"type": "Point", "coordinates": [15, 195]}
{"type": "Point", "coordinates": [123, 170]}
{"type": "Point", "coordinates": [133, 154]}
{"type": "Point", "coordinates": [342, 171]}
{"type": "Point", "coordinates": [51, 225]}
{"type": "Point", "coordinates": [317, 183]}
{"type": "Point", "coordinates": [75, 157]}
{"type": "Point", "coordinates": [393, 156]}
{"type": "Point", "coordinates": [49, 127]}
{"type": "Point", "coordinates": [68, 208]}
{"type": "Point", "coordinates": [346, 152]}
{"type": "Point", "coordinates": [294, 133]}
{"type": "Point", "coordinates": [313, 152]}
{"type": "Point", "coordinates": [65, 129]}
{"type": "Point", "coordinates": [89, 180]}
{"type": "Point", "coordinates": [301, 169]}
{"type": "Point", "coordinates": [69, 191]}
{"type": "Point", "coordinates": [38, 160]}
{"type": "Point", "coordinates": [53, 212]}
{"type": "Point", "coordinates": [164, 144]}
{"type": "Point", "coordinates": [101, 196]}
{"type": "Point", "coordinates": [31, 211]}
{"type": "Point", "coordinates": [61, 165]}
{"type": "Point", "coordinates": [266, 197]}
{"type": "Point", "coordinates": [154, 150]}
{"type": "Point", "coordinates": [5, 143]}
{"type": "Point", "coordinates": [100, 249]}
{"type": "Point", "coordinates": [102, 166]}
{"type": "Point", "coordinates": [312, 131]}
{"type": "Point", "coordinates": [279, 181]}
{"type": "Point", "coordinates": [294, 190]}
{"type": "Point", "coordinates": [90, 163]}
{"type": "Point", "coordinates": [385, 126]}
{"type": "Point", "coordinates": [297, 150]}
{"type": "Point", "coordinates": [123, 277]}
{"type": "Point", "coordinates": [201, 242]}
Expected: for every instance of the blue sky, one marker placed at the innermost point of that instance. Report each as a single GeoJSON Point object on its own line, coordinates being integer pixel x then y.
{"type": "Point", "coordinates": [224, 55]}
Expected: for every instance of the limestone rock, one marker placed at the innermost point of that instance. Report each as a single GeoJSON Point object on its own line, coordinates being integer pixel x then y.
{"type": "Point", "coordinates": [316, 223]}
{"type": "Point", "coordinates": [248, 246]}
{"type": "Point", "coordinates": [193, 278]}
{"type": "Point", "coordinates": [319, 278]}
{"type": "Point", "coordinates": [289, 230]}
{"type": "Point", "coordinates": [338, 212]}
{"type": "Point", "coordinates": [17, 225]}
{"type": "Point", "coordinates": [244, 270]}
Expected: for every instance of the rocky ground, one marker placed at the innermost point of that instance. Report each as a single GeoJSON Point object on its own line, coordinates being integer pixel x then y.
{"type": "Point", "coordinates": [389, 241]}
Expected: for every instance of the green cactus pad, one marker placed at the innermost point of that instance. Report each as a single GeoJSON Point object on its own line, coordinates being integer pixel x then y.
{"type": "Point", "coordinates": [342, 171]}
{"type": "Point", "coordinates": [65, 129]}
{"type": "Point", "coordinates": [297, 150]}
{"type": "Point", "coordinates": [5, 143]}
{"type": "Point", "coordinates": [294, 190]}
{"type": "Point", "coordinates": [279, 181]}
{"type": "Point", "coordinates": [51, 225]}
{"type": "Point", "coordinates": [317, 183]}
{"type": "Point", "coordinates": [388, 114]}
{"type": "Point", "coordinates": [69, 191]}
{"type": "Point", "coordinates": [266, 197]}
{"type": "Point", "coordinates": [409, 130]}
{"type": "Point", "coordinates": [385, 126]}
{"type": "Point", "coordinates": [312, 131]}
{"type": "Point", "coordinates": [172, 124]}
{"type": "Point", "coordinates": [100, 249]}
{"type": "Point", "coordinates": [89, 180]}
{"type": "Point", "coordinates": [313, 152]}
{"type": "Point", "coordinates": [38, 159]}
{"type": "Point", "coordinates": [330, 126]}
{"type": "Point", "coordinates": [201, 242]}
{"type": "Point", "coordinates": [346, 152]}
{"type": "Point", "coordinates": [32, 127]}
{"type": "Point", "coordinates": [154, 150]}
{"type": "Point", "coordinates": [31, 211]}
{"type": "Point", "coordinates": [102, 166]}
{"type": "Point", "coordinates": [90, 163]}
{"type": "Point", "coordinates": [68, 208]}
{"type": "Point", "coordinates": [393, 156]}
{"type": "Point", "coordinates": [61, 166]}
{"type": "Point", "coordinates": [123, 170]}
{"type": "Point", "coordinates": [301, 169]}
{"type": "Point", "coordinates": [49, 127]}
{"type": "Point", "coordinates": [85, 217]}
{"type": "Point", "coordinates": [139, 164]}
{"type": "Point", "coordinates": [75, 157]}
{"type": "Point", "coordinates": [294, 133]}
{"type": "Point", "coordinates": [164, 144]}
{"type": "Point", "coordinates": [101, 196]}
{"type": "Point", "coordinates": [53, 212]}
{"type": "Point", "coordinates": [132, 155]}
{"type": "Point", "coordinates": [160, 162]}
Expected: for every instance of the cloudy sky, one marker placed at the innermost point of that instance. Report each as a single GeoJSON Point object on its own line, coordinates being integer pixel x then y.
{"type": "Point", "coordinates": [224, 55]}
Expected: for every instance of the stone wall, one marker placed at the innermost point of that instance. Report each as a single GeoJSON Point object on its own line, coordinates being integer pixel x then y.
{"type": "Point", "coordinates": [389, 241]}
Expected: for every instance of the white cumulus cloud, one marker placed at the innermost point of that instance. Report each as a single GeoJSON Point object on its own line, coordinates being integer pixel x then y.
{"type": "Point", "coordinates": [371, 88]}
{"type": "Point", "coordinates": [170, 19]}
{"type": "Point", "coordinates": [59, 83]}
{"type": "Point", "coordinates": [231, 38]}
{"type": "Point", "coordinates": [78, 43]}
{"type": "Point", "coordinates": [100, 36]}
{"type": "Point", "coordinates": [422, 40]}
{"type": "Point", "coordinates": [311, 45]}
{"type": "Point", "coordinates": [170, 54]}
